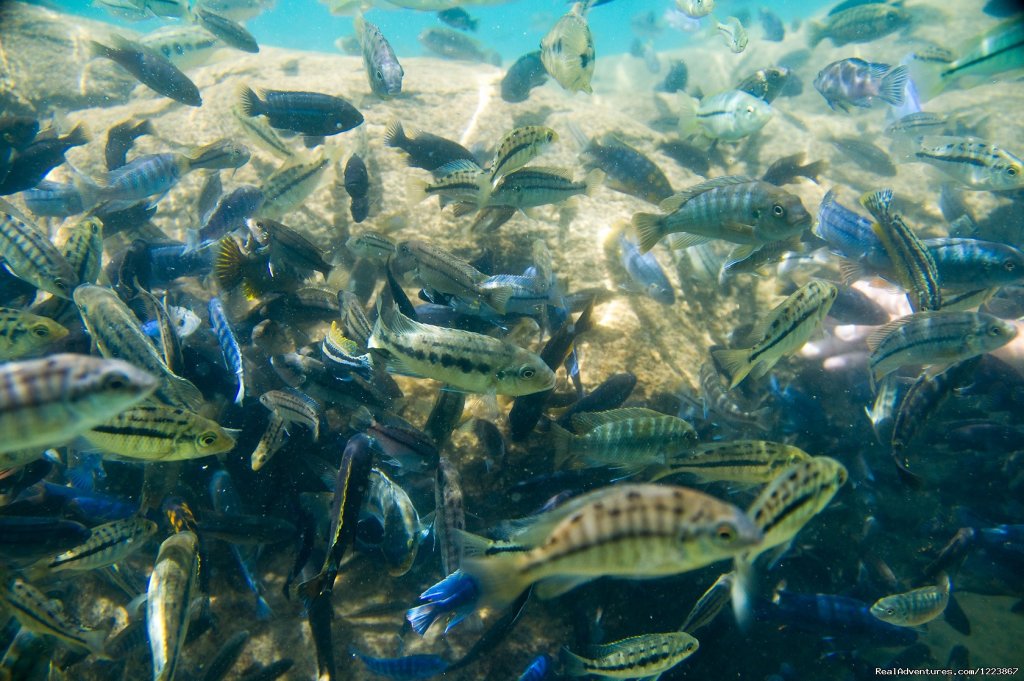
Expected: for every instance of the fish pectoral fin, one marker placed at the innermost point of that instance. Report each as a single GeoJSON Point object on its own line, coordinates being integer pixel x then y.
{"type": "Point", "coordinates": [554, 587]}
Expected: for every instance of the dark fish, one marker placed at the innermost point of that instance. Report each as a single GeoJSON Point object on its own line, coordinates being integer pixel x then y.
{"type": "Point", "coordinates": [16, 132]}
{"type": "Point", "coordinates": [54, 199]}
{"type": "Point", "coordinates": [859, 23]}
{"type": "Point", "coordinates": [687, 155]}
{"type": "Point", "coordinates": [449, 44]}
{"type": "Point", "coordinates": [401, 442]}
{"type": "Point", "coordinates": [865, 154]}
{"type": "Point", "coordinates": [854, 307]}
{"type": "Point", "coordinates": [444, 416]}
{"type": "Point", "coordinates": [833, 616]}
{"type": "Point", "coordinates": [406, 668]}
{"type": "Point", "coordinates": [29, 538]}
{"type": "Point", "coordinates": [676, 78]}
{"type": "Point", "coordinates": [117, 218]}
{"type": "Point", "coordinates": [611, 394]}
{"type": "Point", "coordinates": [788, 168]}
{"type": "Point", "coordinates": [288, 247]}
{"type": "Point", "coordinates": [774, 29]}
{"type": "Point", "coordinates": [626, 169]}
{"type": "Point", "coordinates": [232, 33]}
{"type": "Point", "coordinates": [426, 150]}
{"type": "Point", "coordinates": [306, 113]}
{"type": "Point", "coordinates": [150, 68]}
{"type": "Point", "coordinates": [120, 139]}
{"type": "Point", "coordinates": [29, 166]}
{"type": "Point", "coordinates": [525, 74]}
{"type": "Point", "coordinates": [230, 213]}
{"type": "Point", "coordinates": [456, 17]}
{"type": "Point", "coordinates": [225, 658]}
{"type": "Point", "coordinates": [359, 209]}
{"type": "Point", "coordinates": [769, 83]}
{"type": "Point", "coordinates": [357, 179]}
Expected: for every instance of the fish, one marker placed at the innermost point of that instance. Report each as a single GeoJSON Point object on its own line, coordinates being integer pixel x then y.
{"type": "Point", "coordinates": [33, 161]}
{"type": "Point", "coordinates": [450, 516]}
{"type": "Point", "coordinates": [734, 208]}
{"type": "Point", "coordinates": [292, 406]}
{"type": "Point", "coordinates": [997, 50]}
{"type": "Point", "coordinates": [441, 271]}
{"type": "Point", "coordinates": [647, 655]}
{"type": "Point", "coordinates": [785, 170]}
{"type": "Point", "coordinates": [769, 83]}
{"type": "Point", "coordinates": [383, 70]}
{"type": "Point", "coordinates": [153, 432]}
{"type": "Point", "coordinates": [861, 23]}
{"type": "Point", "coordinates": [866, 155]}
{"type": "Point", "coordinates": [855, 82]}
{"type": "Point", "coordinates": [645, 273]}
{"type": "Point", "coordinates": [184, 45]}
{"type": "Point", "coordinates": [973, 163]}
{"type": "Point", "coordinates": [287, 247]}
{"type": "Point", "coordinates": [536, 186]}
{"type": "Point", "coordinates": [539, 669]}
{"type": "Point", "coordinates": [117, 333]}
{"type": "Point", "coordinates": [628, 438]}
{"type": "Point", "coordinates": [734, 34]}
{"type": "Point", "coordinates": [261, 132]}
{"type": "Point", "coordinates": [425, 150]}
{"type": "Point", "coordinates": [230, 32]}
{"type": "Point", "coordinates": [784, 330]}
{"type": "Point", "coordinates": [47, 402]}
{"type": "Point", "coordinates": [696, 9]}
{"type": "Point", "coordinates": [774, 29]}
{"type": "Point", "coordinates": [143, 177]}
{"type": "Point", "coordinates": [108, 543]}
{"type": "Point", "coordinates": [518, 147]}
{"type": "Point", "coordinates": [914, 266]}
{"type": "Point", "coordinates": [567, 51]}
{"type": "Point", "coordinates": [23, 333]}
{"type": "Point", "coordinates": [221, 154]}
{"type": "Point", "coordinates": [745, 462]}
{"type": "Point", "coordinates": [150, 68]}
{"type": "Point", "coordinates": [270, 442]}
{"type": "Point", "coordinates": [915, 607]}
{"type": "Point", "coordinates": [232, 353]}
{"type": "Point", "coordinates": [461, 359]}
{"type": "Point", "coordinates": [831, 617]}
{"type": "Point", "coordinates": [37, 613]}
{"type": "Point", "coordinates": [729, 116]}
{"type": "Point", "coordinates": [710, 603]}
{"type": "Point", "coordinates": [290, 184]}
{"type": "Point", "coordinates": [717, 399]}
{"type": "Point", "coordinates": [676, 79]}
{"type": "Point", "coordinates": [456, 17]}
{"type": "Point", "coordinates": [421, 666]}
{"type": "Point", "coordinates": [449, 44]}
{"type": "Point", "coordinates": [935, 338]}
{"type": "Point", "coordinates": [56, 199]}
{"type": "Point", "coordinates": [526, 73]}
{"type": "Point", "coordinates": [626, 169]}
{"type": "Point", "coordinates": [30, 256]}
{"type": "Point", "coordinates": [401, 529]}
{"type": "Point", "coordinates": [230, 214]}
{"type": "Point", "coordinates": [400, 442]}
{"type": "Point", "coordinates": [313, 114]}
{"type": "Point", "coordinates": [169, 596]}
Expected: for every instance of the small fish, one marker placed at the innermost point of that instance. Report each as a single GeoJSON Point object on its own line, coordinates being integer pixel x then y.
{"type": "Point", "coordinates": [538, 186]}
{"type": "Point", "coordinates": [143, 177]}
{"type": "Point", "coordinates": [711, 602]}
{"type": "Point", "coordinates": [645, 273]}
{"type": "Point", "coordinates": [56, 199]}
{"type": "Point", "coordinates": [37, 613]}
{"type": "Point", "coordinates": [154, 432]}
{"type": "Point", "coordinates": [382, 67]}
{"type": "Point", "coordinates": [518, 147]}
{"type": "Point", "coordinates": [567, 51]}
{"type": "Point", "coordinates": [717, 399]}
{"type": "Point", "coordinates": [23, 333]}
{"type": "Point", "coordinates": [290, 184]}
{"type": "Point", "coordinates": [525, 74]}
{"type": "Point", "coordinates": [774, 29]}
{"type": "Point", "coordinates": [444, 272]}
{"type": "Point", "coordinates": [108, 544]}
{"type": "Point", "coordinates": [629, 438]}
{"type": "Point", "coordinates": [372, 245]}
{"type": "Point", "coordinates": [696, 9]}
{"type": "Point", "coordinates": [997, 50]}
{"type": "Point", "coordinates": [783, 331]}
{"type": "Point", "coordinates": [788, 168]}
{"type": "Point", "coordinates": [729, 116]}
{"type": "Point", "coordinates": [856, 82]}
{"type": "Point", "coordinates": [449, 44]}
{"type": "Point", "coordinates": [308, 113]}
{"type": "Point", "coordinates": [272, 440]}
{"type": "Point", "coordinates": [915, 268]}
{"type": "Point", "coordinates": [261, 132]}
{"type": "Point", "coordinates": [69, 395]}
{"type": "Point", "coordinates": [31, 163]}
{"type": "Point", "coordinates": [229, 348]}
{"type": "Point", "coordinates": [169, 596]}
{"type": "Point", "coordinates": [231, 32]}
{"type": "Point", "coordinates": [357, 184]}
{"type": "Point", "coordinates": [866, 155]}
{"type": "Point", "coordinates": [401, 530]}
{"type": "Point", "coordinates": [230, 214]}
{"type": "Point", "coordinates": [287, 247]}
{"type": "Point", "coordinates": [222, 154]}
{"type": "Point", "coordinates": [642, 656]}
{"type": "Point", "coordinates": [859, 24]}
{"type": "Point", "coordinates": [292, 406]}
{"type": "Point", "coordinates": [184, 45]}
{"type": "Point", "coordinates": [745, 462]}
{"type": "Point", "coordinates": [676, 78]}
{"type": "Point", "coordinates": [915, 607]}
{"type": "Point", "coordinates": [461, 359]}
{"type": "Point", "coordinates": [30, 256]}
{"type": "Point", "coordinates": [539, 669]}
{"type": "Point", "coordinates": [402, 444]}
{"type": "Point", "coordinates": [626, 169]}
{"type": "Point", "coordinates": [734, 34]}
{"type": "Point", "coordinates": [734, 208]}
{"type": "Point", "coordinates": [408, 668]}
{"type": "Point", "coordinates": [973, 163]}
{"type": "Point", "coordinates": [935, 338]}
{"type": "Point", "coordinates": [450, 515]}
{"type": "Point", "coordinates": [150, 68]}
{"type": "Point", "coordinates": [769, 83]}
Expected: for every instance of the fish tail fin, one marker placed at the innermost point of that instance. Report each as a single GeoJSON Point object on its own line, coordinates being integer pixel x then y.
{"type": "Point", "coordinates": [498, 578]}
{"type": "Point", "coordinates": [648, 230]}
{"type": "Point", "coordinates": [893, 86]}
{"type": "Point", "coordinates": [472, 544]}
{"type": "Point", "coordinates": [498, 298]}
{"type": "Point", "coordinates": [593, 180]}
{"type": "Point", "coordinates": [736, 363]}
{"type": "Point", "coordinates": [78, 135]}
{"type": "Point", "coordinates": [927, 76]}
{"type": "Point", "coordinates": [249, 101]}
{"type": "Point", "coordinates": [394, 134]}
{"type": "Point", "coordinates": [572, 664]}
{"type": "Point", "coordinates": [415, 191]}
{"type": "Point", "coordinates": [687, 115]}
{"type": "Point", "coordinates": [96, 641]}
{"type": "Point", "coordinates": [815, 33]}
{"type": "Point", "coordinates": [561, 440]}
{"type": "Point", "coordinates": [96, 49]}
{"type": "Point", "coordinates": [87, 189]}
{"type": "Point", "coordinates": [740, 592]}
{"type": "Point", "coordinates": [456, 596]}
{"type": "Point", "coordinates": [227, 266]}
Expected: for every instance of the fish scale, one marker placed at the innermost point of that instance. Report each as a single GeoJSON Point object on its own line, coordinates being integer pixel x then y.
{"type": "Point", "coordinates": [30, 256]}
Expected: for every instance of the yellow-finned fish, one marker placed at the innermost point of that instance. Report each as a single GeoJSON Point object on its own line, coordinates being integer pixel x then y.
{"type": "Point", "coordinates": [642, 656]}
{"type": "Point", "coordinates": [37, 613]}
{"type": "Point", "coordinates": [23, 333]}
{"type": "Point", "coordinates": [915, 607]}
{"type": "Point", "coordinates": [30, 256]}
{"type": "Point", "coordinates": [291, 183]}
{"type": "Point", "coordinates": [108, 544]}
{"type": "Point", "coordinates": [83, 249]}
{"type": "Point", "coordinates": [783, 331]}
{"type": "Point", "coordinates": [50, 401]}
{"type": "Point", "coordinates": [749, 462]}
{"type": "Point", "coordinates": [155, 432]}
{"type": "Point", "coordinates": [463, 360]}
{"type": "Point", "coordinates": [519, 147]}
{"type": "Point", "coordinates": [270, 442]}
{"type": "Point", "coordinates": [118, 333]}
{"type": "Point", "coordinates": [567, 51]}
{"type": "Point", "coordinates": [169, 594]}
{"type": "Point", "coordinates": [629, 438]}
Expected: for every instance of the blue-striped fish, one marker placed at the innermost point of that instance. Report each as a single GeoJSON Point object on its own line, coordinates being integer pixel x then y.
{"type": "Point", "coordinates": [228, 344]}
{"type": "Point", "coordinates": [29, 255]}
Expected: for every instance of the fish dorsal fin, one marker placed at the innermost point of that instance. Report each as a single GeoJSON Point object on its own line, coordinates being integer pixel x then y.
{"type": "Point", "coordinates": [563, 173]}
{"type": "Point", "coordinates": [876, 337]}
{"type": "Point", "coordinates": [456, 166]}
{"type": "Point", "coordinates": [397, 323]}
{"type": "Point", "coordinates": [675, 201]}
{"type": "Point", "coordinates": [588, 421]}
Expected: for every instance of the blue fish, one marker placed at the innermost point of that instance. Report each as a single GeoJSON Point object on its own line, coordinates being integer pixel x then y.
{"type": "Point", "coordinates": [539, 669]}
{"type": "Point", "coordinates": [406, 668]}
{"type": "Point", "coordinates": [831, 616]}
{"type": "Point", "coordinates": [456, 596]}
{"type": "Point", "coordinates": [228, 344]}
{"type": "Point", "coordinates": [224, 498]}
{"type": "Point", "coordinates": [847, 232]}
{"type": "Point", "coordinates": [54, 199]}
{"type": "Point", "coordinates": [645, 273]}
{"type": "Point", "coordinates": [228, 215]}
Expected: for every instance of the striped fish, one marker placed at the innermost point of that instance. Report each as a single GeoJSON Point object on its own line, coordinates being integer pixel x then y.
{"type": "Point", "coordinates": [382, 67]}
{"type": "Point", "coordinates": [259, 131]}
{"type": "Point", "coordinates": [109, 543]}
{"type": "Point", "coordinates": [717, 399]}
{"type": "Point", "coordinates": [974, 163]}
{"type": "Point", "coordinates": [270, 442]}
{"type": "Point", "coordinates": [36, 612]}
{"type": "Point", "coordinates": [402, 531]}
{"type": "Point", "coordinates": [118, 334]}
{"type": "Point", "coordinates": [464, 360]}
{"type": "Point", "coordinates": [23, 333]}
{"type": "Point", "coordinates": [711, 602]}
{"type": "Point", "coordinates": [537, 186]}
{"type": "Point", "coordinates": [83, 249]}
{"type": "Point", "coordinates": [746, 462]}
{"type": "Point", "coordinates": [29, 255]}
{"type": "Point", "coordinates": [782, 332]}
{"type": "Point", "coordinates": [290, 184]}
{"type": "Point", "coordinates": [373, 245]}
{"type": "Point", "coordinates": [629, 438]}
{"type": "Point", "coordinates": [999, 49]}
{"type": "Point", "coordinates": [449, 516]}
{"type": "Point", "coordinates": [935, 338]}
{"type": "Point", "coordinates": [46, 402]}
{"type": "Point", "coordinates": [738, 209]}
{"type": "Point", "coordinates": [437, 269]}
{"type": "Point", "coordinates": [154, 432]}
{"type": "Point", "coordinates": [460, 181]}
{"type": "Point", "coordinates": [229, 348]}
{"type": "Point", "coordinates": [635, 657]}
{"type": "Point", "coordinates": [169, 594]}
{"type": "Point", "coordinates": [518, 147]}
{"type": "Point", "coordinates": [730, 115]}
{"type": "Point", "coordinates": [143, 177]}
{"type": "Point", "coordinates": [292, 406]}
{"type": "Point", "coordinates": [625, 530]}
{"type": "Point", "coordinates": [915, 607]}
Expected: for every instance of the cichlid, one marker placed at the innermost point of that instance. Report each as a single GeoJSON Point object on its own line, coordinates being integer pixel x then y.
{"type": "Point", "coordinates": [230, 32]}
{"type": "Point", "coordinates": [973, 163]}
{"type": "Point", "coordinates": [33, 161]}
{"type": "Point", "coordinates": [769, 83]}
{"type": "Point", "coordinates": [39, 614]}
{"type": "Point", "coordinates": [150, 68]}
{"type": "Point", "coordinates": [861, 23]}
{"type": "Point", "coordinates": [734, 34]}
{"type": "Point", "coordinates": [184, 45]}
{"type": "Point", "coordinates": [313, 114]}
{"type": "Point", "coordinates": [729, 116]}
{"type": "Point", "coordinates": [915, 607]}
{"type": "Point", "coordinates": [292, 406]}
{"type": "Point", "coordinates": [23, 333]}
{"type": "Point", "coordinates": [401, 529]}
{"type": "Point", "coordinates": [567, 51]}
{"type": "Point", "coordinates": [425, 150]}
{"type": "Point", "coordinates": [518, 147]}
{"type": "Point", "coordinates": [537, 186]}
{"type": "Point", "coordinates": [450, 515]}
{"type": "Point", "coordinates": [626, 169]}
{"type": "Point", "coordinates": [290, 184]}
{"type": "Point", "coordinates": [449, 44]}
{"type": "Point", "coordinates": [270, 442]}
{"type": "Point", "coordinates": [232, 353]}
{"type": "Point", "coordinates": [261, 132]}
{"type": "Point", "coordinates": [143, 177]}
{"type": "Point", "coordinates": [108, 544]}
{"type": "Point", "coordinates": [630, 438]}
{"type": "Point", "coordinates": [169, 595]}
{"type": "Point", "coordinates": [30, 256]}
{"type": "Point", "coordinates": [783, 331]}
{"type": "Point", "coordinates": [696, 9]}
{"type": "Point", "coordinates": [525, 74]}
{"type": "Point", "coordinates": [997, 50]}
{"type": "Point", "coordinates": [747, 462]}
{"type": "Point", "coordinates": [645, 273]}
{"type": "Point", "coordinates": [857, 82]}
{"type": "Point", "coordinates": [382, 67]}
{"type": "Point", "coordinates": [154, 432]}
{"type": "Point", "coordinates": [55, 199]}
{"type": "Point", "coordinates": [444, 272]}
{"type": "Point", "coordinates": [644, 656]}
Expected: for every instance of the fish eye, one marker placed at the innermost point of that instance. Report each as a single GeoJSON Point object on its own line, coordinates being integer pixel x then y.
{"type": "Point", "coordinates": [527, 372]}
{"type": "Point", "coordinates": [207, 439]}
{"type": "Point", "coordinates": [995, 330]}
{"type": "Point", "coordinates": [725, 532]}
{"type": "Point", "coordinates": [115, 381]}
{"type": "Point", "coordinates": [380, 76]}
{"type": "Point", "coordinates": [1009, 266]}
{"type": "Point", "coordinates": [59, 283]}
{"type": "Point", "coordinates": [890, 611]}
{"type": "Point", "coordinates": [750, 109]}
{"type": "Point", "coordinates": [689, 646]}
{"type": "Point", "coordinates": [1011, 171]}
{"type": "Point", "coordinates": [779, 210]}
{"type": "Point", "coordinates": [41, 330]}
